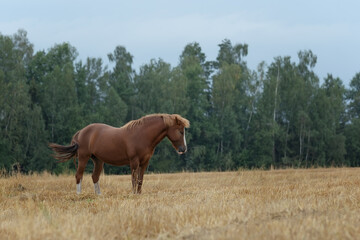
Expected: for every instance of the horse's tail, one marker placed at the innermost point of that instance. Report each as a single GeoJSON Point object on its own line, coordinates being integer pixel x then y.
{"type": "Point", "coordinates": [65, 153]}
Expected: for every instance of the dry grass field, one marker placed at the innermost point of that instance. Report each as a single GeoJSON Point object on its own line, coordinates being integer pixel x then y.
{"type": "Point", "coordinates": [276, 204]}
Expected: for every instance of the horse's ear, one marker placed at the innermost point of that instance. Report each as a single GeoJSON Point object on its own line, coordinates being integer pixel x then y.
{"type": "Point", "coordinates": [178, 121]}
{"type": "Point", "coordinates": [181, 121]}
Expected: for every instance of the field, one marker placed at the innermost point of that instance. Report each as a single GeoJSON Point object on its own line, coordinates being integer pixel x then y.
{"type": "Point", "coordinates": [275, 204]}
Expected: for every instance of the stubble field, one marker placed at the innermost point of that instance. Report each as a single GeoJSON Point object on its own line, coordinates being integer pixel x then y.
{"type": "Point", "coordinates": [277, 204]}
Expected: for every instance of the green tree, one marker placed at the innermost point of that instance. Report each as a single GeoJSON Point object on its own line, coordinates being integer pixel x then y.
{"type": "Point", "coordinates": [284, 111]}
{"type": "Point", "coordinates": [121, 77]}
{"type": "Point", "coordinates": [353, 95]}
{"type": "Point", "coordinates": [335, 92]}
{"type": "Point", "coordinates": [91, 84]}
{"type": "Point", "coordinates": [194, 72]}
{"type": "Point", "coordinates": [352, 129]}
{"type": "Point", "coordinates": [153, 88]}
{"type": "Point", "coordinates": [58, 94]}
{"type": "Point", "coordinates": [235, 90]}
{"type": "Point", "coordinates": [328, 145]}
{"type": "Point", "coordinates": [21, 126]}
{"type": "Point", "coordinates": [231, 54]}
{"type": "Point", "coordinates": [225, 92]}
{"type": "Point", "coordinates": [113, 109]}
{"type": "Point", "coordinates": [353, 143]}
{"type": "Point", "coordinates": [156, 92]}
{"type": "Point", "coordinates": [51, 79]}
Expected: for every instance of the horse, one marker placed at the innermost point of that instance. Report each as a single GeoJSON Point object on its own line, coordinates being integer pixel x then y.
{"type": "Point", "coordinates": [132, 144]}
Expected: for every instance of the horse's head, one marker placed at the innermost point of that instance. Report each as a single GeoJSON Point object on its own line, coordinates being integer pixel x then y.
{"type": "Point", "coordinates": [176, 133]}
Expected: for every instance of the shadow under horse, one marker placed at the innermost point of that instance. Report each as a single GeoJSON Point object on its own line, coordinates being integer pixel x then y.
{"type": "Point", "coordinates": [132, 144]}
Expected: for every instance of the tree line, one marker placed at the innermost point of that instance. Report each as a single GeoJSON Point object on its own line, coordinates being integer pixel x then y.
{"type": "Point", "coordinates": [278, 115]}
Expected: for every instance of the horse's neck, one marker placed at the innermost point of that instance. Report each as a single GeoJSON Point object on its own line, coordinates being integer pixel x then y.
{"type": "Point", "coordinates": [154, 131]}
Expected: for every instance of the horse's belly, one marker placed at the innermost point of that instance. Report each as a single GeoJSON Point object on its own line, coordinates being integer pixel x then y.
{"type": "Point", "coordinates": [113, 159]}
{"type": "Point", "coordinates": [117, 162]}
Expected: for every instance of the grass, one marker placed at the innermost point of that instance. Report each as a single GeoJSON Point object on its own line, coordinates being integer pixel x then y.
{"type": "Point", "coordinates": [276, 204]}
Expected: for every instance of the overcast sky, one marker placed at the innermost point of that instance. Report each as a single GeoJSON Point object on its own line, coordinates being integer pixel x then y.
{"type": "Point", "coordinates": [161, 29]}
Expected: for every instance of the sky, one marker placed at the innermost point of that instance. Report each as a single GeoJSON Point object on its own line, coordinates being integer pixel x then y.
{"type": "Point", "coordinates": [156, 29]}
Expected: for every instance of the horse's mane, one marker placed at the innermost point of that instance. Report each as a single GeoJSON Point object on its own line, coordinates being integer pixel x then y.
{"type": "Point", "coordinates": [169, 120]}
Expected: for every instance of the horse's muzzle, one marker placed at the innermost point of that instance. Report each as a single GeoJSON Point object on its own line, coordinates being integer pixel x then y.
{"type": "Point", "coordinates": [182, 150]}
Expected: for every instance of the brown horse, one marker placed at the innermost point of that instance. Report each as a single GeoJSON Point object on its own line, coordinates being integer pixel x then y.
{"type": "Point", "coordinates": [133, 144]}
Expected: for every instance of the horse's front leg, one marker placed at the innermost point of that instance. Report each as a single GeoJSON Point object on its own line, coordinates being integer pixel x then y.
{"type": "Point", "coordinates": [134, 179]}
{"type": "Point", "coordinates": [134, 166]}
{"type": "Point", "coordinates": [141, 175]}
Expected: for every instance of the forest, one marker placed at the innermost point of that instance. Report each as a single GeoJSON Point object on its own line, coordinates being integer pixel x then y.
{"type": "Point", "coordinates": [279, 115]}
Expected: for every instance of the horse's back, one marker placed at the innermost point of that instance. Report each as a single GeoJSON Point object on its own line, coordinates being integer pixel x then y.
{"type": "Point", "coordinates": [107, 143]}
{"type": "Point", "coordinates": [92, 129]}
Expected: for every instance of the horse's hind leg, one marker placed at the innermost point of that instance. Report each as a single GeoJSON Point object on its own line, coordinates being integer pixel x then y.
{"type": "Point", "coordinates": [98, 167]}
{"type": "Point", "coordinates": [80, 171]}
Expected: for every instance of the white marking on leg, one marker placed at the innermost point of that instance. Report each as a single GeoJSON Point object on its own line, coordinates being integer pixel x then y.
{"type": "Point", "coordinates": [78, 188]}
{"type": "Point", "coordinates": [97, 188]}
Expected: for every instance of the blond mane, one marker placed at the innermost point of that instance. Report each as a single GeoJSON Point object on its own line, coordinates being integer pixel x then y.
{"type": "Point", "coordinates": [169, 120]}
